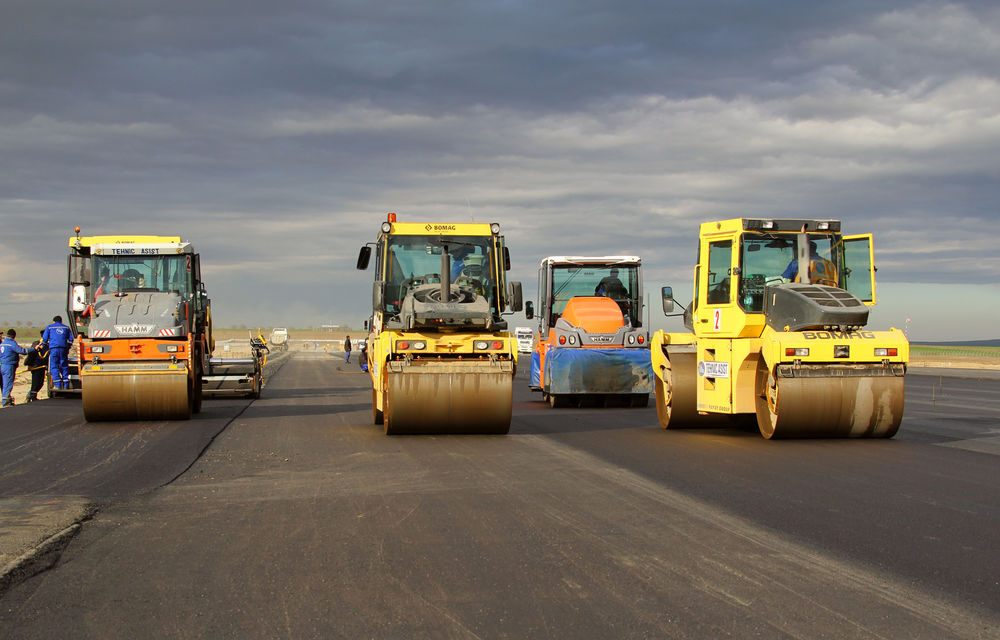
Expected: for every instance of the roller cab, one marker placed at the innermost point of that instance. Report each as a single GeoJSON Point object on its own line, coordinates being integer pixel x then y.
{"type": "Point", "coordinates": [779, 331]}
{"type": "Point", "coordinates": [440, 356]}
{"type": "Point", "coordinates": [591, 348]}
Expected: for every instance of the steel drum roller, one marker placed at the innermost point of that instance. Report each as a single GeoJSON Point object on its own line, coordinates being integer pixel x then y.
{"type": "Point", "coordinates": [136, 395]}
{"type": "Point", "coordinates": [442, 398]}
{"type": "Point", "coordinates": [828, 407]}
{"type": "Point", "coordinates": [676, 398]}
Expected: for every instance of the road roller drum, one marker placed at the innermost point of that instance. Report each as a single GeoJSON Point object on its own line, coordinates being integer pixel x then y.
{"type": "Point", "coordinates": [675, 391]}
{"type": "Point", "coordinates": [136, 394]}
{"type": "Point", "coordinates": [437, 398]}
{"type": "Point", "coordinates": [862, 403]}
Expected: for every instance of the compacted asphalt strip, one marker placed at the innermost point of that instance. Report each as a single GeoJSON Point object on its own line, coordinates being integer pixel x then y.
{"type": "Point", "coordinates": [301, 519]}
{"type": "Point", "coordinates": [57, 470]}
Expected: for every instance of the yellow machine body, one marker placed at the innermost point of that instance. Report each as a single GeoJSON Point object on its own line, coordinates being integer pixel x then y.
{"type": "Point", "coordinates": [804, 372]}
{"type": "Point", "coordinates": [441, 365]}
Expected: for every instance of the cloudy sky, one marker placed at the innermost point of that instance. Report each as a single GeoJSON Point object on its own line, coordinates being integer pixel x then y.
{"type": "Point", "coordinates": [276, 135]}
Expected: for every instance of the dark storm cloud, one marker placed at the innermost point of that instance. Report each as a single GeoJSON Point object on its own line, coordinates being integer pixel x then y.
{"type": "Point", "coordinates": [276, 135]}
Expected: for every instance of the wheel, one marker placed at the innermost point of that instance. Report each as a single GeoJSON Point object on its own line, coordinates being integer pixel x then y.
{"type": "Point", "coordinates": [198, 390]}
{"type": "Point", "coordinates": [258, 384]}
{"type": "Point", "coordinates": [558, 401]}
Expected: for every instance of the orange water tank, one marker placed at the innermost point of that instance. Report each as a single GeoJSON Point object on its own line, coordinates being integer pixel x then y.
{"type": "Point", "coordinates": [595, 314]}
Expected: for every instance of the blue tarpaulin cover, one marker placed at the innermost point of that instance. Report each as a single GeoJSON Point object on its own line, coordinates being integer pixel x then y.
{"type": "Point", "coordinates": [598, 371]}
{"type": "Point", "coordinates": [535, 379]}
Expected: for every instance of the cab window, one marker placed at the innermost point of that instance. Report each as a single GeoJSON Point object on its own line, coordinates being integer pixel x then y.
{"type": "Point", "coordinates": [720, 264]}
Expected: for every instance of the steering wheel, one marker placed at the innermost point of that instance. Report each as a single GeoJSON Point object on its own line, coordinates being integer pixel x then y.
{"type": "Point", "coordinates": [434, 295]}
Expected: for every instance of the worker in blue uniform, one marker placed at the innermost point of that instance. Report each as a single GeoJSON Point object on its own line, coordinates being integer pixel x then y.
{"type": "Point", "coordinates": [10, 357]}
{"type": "Point", "coordinates": [58, 338]}
{"type": "Point", "coordinates": [37, 362]}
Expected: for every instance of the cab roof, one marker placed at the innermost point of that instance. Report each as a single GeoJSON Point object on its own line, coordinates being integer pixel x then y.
{"type": "Point", "coordinates": [439, 229]}
{"type": "Point", "coordinates": [778, 225]}
{"type": "Point", "coordinates": [592, 260]}
{"type": "Point", "coordinates": [141, 249]}
{"type": "Point", "coordinates": [88, 241]}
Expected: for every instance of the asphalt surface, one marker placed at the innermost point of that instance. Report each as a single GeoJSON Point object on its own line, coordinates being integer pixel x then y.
{"type": "Point", "coordinates": [301, 519]}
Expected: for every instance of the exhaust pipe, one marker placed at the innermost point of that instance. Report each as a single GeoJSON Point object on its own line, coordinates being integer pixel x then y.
{"type": "Point", "coordinates": [445, 275]}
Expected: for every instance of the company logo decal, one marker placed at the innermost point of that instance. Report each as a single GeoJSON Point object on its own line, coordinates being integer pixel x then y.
{"type": "Point", "coordinates": [713, 369]}
{"type": "Point", "coordinates": [133, 329]}
{"type": "Point", "coordinates": [838, 335]}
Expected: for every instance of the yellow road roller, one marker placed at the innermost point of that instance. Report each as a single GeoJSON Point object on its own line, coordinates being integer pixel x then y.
{"type": "Point", "coordinates": [778, 329]}
{"type": "Point", "coordinates": [440, 356]}
{"type": "Point", "coordinates": [142, 325]}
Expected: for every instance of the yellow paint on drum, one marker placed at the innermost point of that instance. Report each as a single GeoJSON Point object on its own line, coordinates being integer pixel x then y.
{"type": "Point", "coordinates": [136, 395]}
{"type": "Point", "coordinates": [442, 402]}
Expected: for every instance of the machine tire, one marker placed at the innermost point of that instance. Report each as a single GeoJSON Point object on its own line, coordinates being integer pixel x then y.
{"type": "Point", "coordinates": [258, 384]}
{"type": "Point", "coordinates": [558, 401]}
{"type": "Point", "coordinates": [197, 394]}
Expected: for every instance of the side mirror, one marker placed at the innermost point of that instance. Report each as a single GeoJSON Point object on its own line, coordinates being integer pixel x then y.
{"type": "Point", "coordinates": [364, 257]}
{"type": "Point", "coordinates": [378, 295]}
{"type": "Point", "coordinates": [529, 310]}
{"type": "Point", "coordinates": [506, 259]}
{"type": "Point", "coordinates": [516, 300]}
{"type": "Point", "coordinates": [668, 300]}
{"type": "Point", "coordinates": [366, 325]}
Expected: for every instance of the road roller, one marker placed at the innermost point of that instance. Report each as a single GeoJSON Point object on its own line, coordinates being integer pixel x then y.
{"type": "Point", "coordinates": [142, 324]}
{"type": "Point", "coordinates": [440, 356]}
{"type": "Point", "coordinates": [592, 348]}
{"type": "Point", "coordinates": [777, 328]}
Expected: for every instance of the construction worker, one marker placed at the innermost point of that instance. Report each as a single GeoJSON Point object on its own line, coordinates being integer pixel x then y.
{"type": "Point", "coordinates": [58, 338]}
{"type": "Point", "coordinates": [459, 256]}
{"type": "Point", "coordinates": [37, 362]}
{"type": "Point", "coordinates": [10, 357]}
{"type": "Point", "coordinates": [821, 270]}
